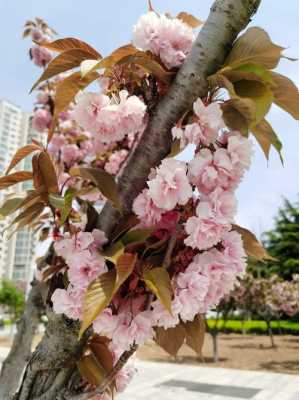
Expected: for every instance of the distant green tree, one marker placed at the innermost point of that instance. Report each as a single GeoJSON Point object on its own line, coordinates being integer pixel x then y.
{"type": "Point", "coordinates": [283, 242]}
{"type": "Point", "coordinates": [12, 299]}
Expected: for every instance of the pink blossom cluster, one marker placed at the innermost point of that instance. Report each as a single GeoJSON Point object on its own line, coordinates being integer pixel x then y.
{"type": "Point", "coordinates": [108, 119]}
{"type": "Point", "coordinates": [205, 126]}
{"type": "Point", "coordinates": [169, 38]}
{"type": "Point", "coordinates": [84, 263]}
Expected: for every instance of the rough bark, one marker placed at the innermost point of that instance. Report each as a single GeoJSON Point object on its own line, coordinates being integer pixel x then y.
{"type": "Point", "coordinates": [20, 352]}
{"type": "Point", "coordinates": [52, 364]}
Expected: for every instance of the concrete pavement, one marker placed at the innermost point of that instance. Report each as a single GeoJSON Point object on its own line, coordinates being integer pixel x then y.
{"type": "Point", "coordinates": [169, 381]}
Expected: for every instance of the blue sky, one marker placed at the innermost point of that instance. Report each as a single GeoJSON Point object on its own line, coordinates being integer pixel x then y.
{"type": "Point", "coordinates": [108, 24]}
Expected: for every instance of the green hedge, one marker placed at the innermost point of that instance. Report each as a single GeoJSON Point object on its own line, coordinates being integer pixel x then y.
{"type": "Point", "coordinates": [260, 327]}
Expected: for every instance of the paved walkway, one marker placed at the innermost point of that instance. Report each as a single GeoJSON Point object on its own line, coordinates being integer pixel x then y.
{"type": "Point", "coordinates": [165, 381]}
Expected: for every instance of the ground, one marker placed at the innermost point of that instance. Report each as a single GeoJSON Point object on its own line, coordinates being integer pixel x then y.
{"type": "Point", "coordinates": [248, 352]}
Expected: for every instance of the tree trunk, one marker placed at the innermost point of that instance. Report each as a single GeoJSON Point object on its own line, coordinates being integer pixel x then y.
{"type": "Point", "coordinates": [215, 347]}
{"type": "Point", "coordinates": [270, 332]}
{"type": "Point", "coordinates": [20, 352]}
{"type": "Point", "coordinates": [51, 372]}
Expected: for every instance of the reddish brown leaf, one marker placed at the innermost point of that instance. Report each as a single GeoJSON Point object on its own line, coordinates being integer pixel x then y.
{"type": "Point", "coordinates": [189, 19]}
{"type": "Point", "coordinates": [21, 154]}
{"type": "Point", "coordinates": [171, 340]}
{"type": "Point", "coordinates": [195, 333]}
{"type": "Point", "coordinates": [65, 44]}
{"type": "Point", "coordinates": [63, 62]}
{"type": "Point", "coordinates": [48, 172]}
{"type": "Point", "coordinates": [69, 87]}
{"type": "Point", "coordinates": [14, 178]}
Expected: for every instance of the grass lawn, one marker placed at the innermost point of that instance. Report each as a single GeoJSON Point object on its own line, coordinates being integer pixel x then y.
{"type": "Point", "coordinates": [255, 326]}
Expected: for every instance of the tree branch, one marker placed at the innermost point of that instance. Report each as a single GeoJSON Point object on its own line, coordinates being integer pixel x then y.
{"type": "Point", "coordinates": [227, 18]}
{"type": "Point", "coordinates": [19, 355]}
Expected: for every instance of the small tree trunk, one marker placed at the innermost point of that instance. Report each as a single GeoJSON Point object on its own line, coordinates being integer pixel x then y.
{"type": "Point", "coordinates": [215, 347]}
{"type": "Point", "coordinates": [270, 332]}
{"type": "Point", "coordinates": [20, 351]}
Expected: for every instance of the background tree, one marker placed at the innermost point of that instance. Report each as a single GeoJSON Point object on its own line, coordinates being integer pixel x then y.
{"type": "Point", "coordinates": [282, 242]}
{"type": "Point", "coordinates": [12, 299]}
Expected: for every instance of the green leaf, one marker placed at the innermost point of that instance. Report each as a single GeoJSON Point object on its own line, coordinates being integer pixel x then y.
{"type": "Point", "coordinates": [68, 201]}
{"type": "Point", "coordinates": [249, 71]}
{"type": "Point", "coordinates": [259, 93]}
{"type": "Point", "coordinates": [104, 181]}
{"type": "Point", "coordinates": [114, 252]}
{"type": "Point", "coordinates": [266, 138]}
{"type": "Point", "coordinates": [136, 236]}
{"type": "Point", "coordinates": [254, 46]}
{"type": "Point", "coordinates": [56, 200]}
{"type": "Point", "coordinates": [101, 291]}
{"type": "Point", "coordinates": [158, 281]}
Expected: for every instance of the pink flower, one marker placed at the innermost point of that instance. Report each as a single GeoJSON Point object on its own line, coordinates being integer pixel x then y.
{"type": "Point", "coordinates": [41, 120]}
{"type": "Point", "coordinates": [240, 151]}
{"type": "Point", "coordinates": [115, 161]}
{"type": "Point", "coordinates": [170, 186]}
{"type": "Point", "coordinates": [190, 291]}
{"type": "Point", "coordinates": [169, 38]}
{"type": "Point", "coordinates": [42, 97]}
{"type": "Point", "coordinates": [223, 205]}
{"type": "Point", "coordinates": [209, 119]}
{"type": "Point", "coordinates": [124, 377]}
{"type": "Point", "coordinates": [133, 330]}
{"type": "Point", "coordinates": [210, 170]}
{"type": "Point", "coordinates": [70, 153]}
{"type": "Point", "coordinates": [146, 210]}
{"type": "Point", "coordinates": [85, 267]}
{"type": "Point", "coordinates": [68, 302]}
{"type": "Point", "coordinates": [98, 114]}
{"type": "Point", "coordinates": [161, 317]}
{"type": "Point", "coordinates": [204, 233]}
{"type": "Point", "coordinates": [40, 55]}
{"type": "Point", "coordinates": [106, 323]}
{"type": "Point", "coordinates": [57, 142]}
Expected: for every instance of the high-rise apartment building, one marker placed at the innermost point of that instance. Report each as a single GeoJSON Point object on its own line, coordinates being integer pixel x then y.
{"type": "Point", "coordinates": [17, 253]}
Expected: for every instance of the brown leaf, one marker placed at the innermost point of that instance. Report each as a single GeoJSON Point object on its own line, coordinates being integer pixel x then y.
{"type": "Point", "coordinates": [171, 340]}
{"type": "Point", "coordinates": [14, 178]}
{"type": "Point", "coordinates": [104, 182]}
{"type": "Point", "coordinates": [149, 64]}
{"type": "Point", "coordinates": [189, 19]}
{"type": "Point", "coordinates": [69, 87]}
{"type": "Point", "coordinates": [266, 137]}
{"type": "Point", "coordinates": [91, 370]}
{"type": "Point", "coordinates": [10, 206]}
{"type": "Point", "coordinates": [254, 46]}
{"type": "Point", "coordinates": [195, 333]}
{"type": "Point", "coordinates": [21, 154]}
{"type": "Point", "coordinates": [29, 213]}
{"type": "Point", "coordinates": [158, 281]}
{"type": "Point", "coordinates": [100, 349]}
{"type": "Point", "coordinates": [286, 94]}
{"type": "Point", "coordinates": [47, 172]}
{"type": "Point", "coordinates": [101, 291]}
{"type": "Point", "coordinates": [252, 246]}
{"type": "Point", "coordinates": [62, 63]}
{"type": "Point", "coordinates": [65, 44]}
